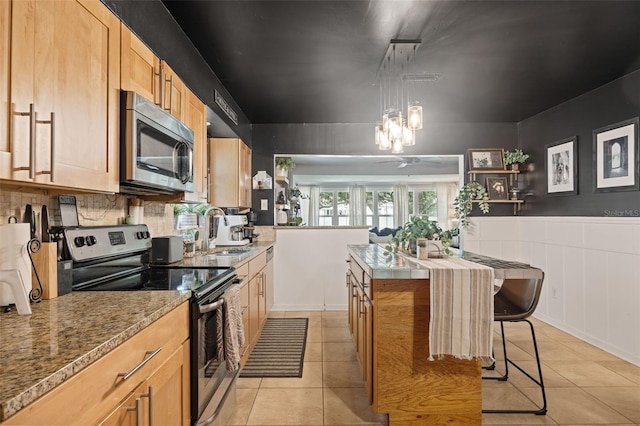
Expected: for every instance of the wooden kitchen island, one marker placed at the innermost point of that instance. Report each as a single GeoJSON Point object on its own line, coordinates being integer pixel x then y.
{"type": "Point", "coordinates": [389, 314]}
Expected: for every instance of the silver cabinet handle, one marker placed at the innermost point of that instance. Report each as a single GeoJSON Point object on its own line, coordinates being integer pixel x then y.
{"type": "Point", "coordinates": [150, 396]}
{"type": "Point", "coordinates": [52, 162]}
{"type": "Point", "coordinates": [347, 278]}
{"type": "Point", "coordinates": [170, 81]}
{"type": "Point", "coordinates": [261, 284]}
{"type": "Point", "coordinates": [160, 75]}
{"type": "Point", "coordinates": [32, 140]}
{"type": "Point", "coordinates": [147, 358]}
{"type": "Point", "coordinates": [138, 410]}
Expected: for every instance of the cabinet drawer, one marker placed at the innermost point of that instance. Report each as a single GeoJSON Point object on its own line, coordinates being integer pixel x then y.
{"type": "Point", "coordinates": [243, 270]}
{"type": "Point", "coordinates": [94, 392]}
{"type": "Point", "coordinates": [257, 263]}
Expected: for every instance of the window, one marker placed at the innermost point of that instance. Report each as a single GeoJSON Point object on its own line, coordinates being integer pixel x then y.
{"type": "Point", "coordinates": [423, 203]}
{"type": "Point", "coordinates": [380, 209]}
{"type": "Point", "coordinates": [334, 208]}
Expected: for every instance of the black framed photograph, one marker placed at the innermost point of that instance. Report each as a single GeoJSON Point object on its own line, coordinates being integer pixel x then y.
{"type": "Point", "coordinates": [486, 159]}
{"type": "Point", "coordinates": [561, 167]}
{"type": "Point", "coordinates": [497, 188]}
{"type": "Point", "coordinates": [615, 157]}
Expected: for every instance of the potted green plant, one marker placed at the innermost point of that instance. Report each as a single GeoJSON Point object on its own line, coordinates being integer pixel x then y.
{"type": "Point", "coordinates": [283, 165]}
{"type": "Point", "coordinates": [295, 194]}
{"type": "Point", "coordinates": [463, 203]}
{"type": "Point", "coordinates": [515, 158]}
{"type": "Point", "coordinates": [418, 227]}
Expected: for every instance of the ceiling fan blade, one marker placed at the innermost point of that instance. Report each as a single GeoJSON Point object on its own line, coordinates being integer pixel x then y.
{"type": "Point", "coordinates": [403, 165]}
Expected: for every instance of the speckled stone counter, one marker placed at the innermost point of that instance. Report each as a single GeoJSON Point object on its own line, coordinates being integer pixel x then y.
{"type": "Point", "coordinates": [379, 263]}
{"type": "Point", "coordinates": [64, 335]}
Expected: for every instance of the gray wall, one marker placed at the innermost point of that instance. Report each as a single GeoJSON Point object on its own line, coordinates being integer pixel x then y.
{"type": "Point", "coordinates": [609, 104]}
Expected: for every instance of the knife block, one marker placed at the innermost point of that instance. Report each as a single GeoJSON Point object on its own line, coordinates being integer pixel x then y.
{"type": "Point", "coordinates": [46, 263]}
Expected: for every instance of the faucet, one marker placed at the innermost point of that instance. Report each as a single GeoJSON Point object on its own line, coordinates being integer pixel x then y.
{"type": "Point", "coordinates": [207, 231]}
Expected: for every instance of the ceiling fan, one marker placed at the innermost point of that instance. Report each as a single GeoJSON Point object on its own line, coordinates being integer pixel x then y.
{"type": "Point", "coordinates": [409, 161]}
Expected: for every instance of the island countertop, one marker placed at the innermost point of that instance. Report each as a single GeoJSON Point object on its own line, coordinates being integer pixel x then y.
{"type": "Point", "coordinates": [380, 263]}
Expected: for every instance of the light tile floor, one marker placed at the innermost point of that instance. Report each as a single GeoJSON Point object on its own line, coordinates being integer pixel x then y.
{"type": "Point", "coordinates": [585, 385]}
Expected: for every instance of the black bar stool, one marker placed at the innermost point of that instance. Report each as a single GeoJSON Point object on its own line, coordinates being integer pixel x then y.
{"type": "Point", "coordinates": [515, 302]}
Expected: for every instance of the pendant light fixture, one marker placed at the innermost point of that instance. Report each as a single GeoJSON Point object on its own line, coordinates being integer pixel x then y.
{"type": "Point", "coordinates": [398, 125]}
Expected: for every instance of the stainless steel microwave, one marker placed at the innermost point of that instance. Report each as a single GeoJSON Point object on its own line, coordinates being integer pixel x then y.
{"type": "Point", "coordinates": [156, 151]}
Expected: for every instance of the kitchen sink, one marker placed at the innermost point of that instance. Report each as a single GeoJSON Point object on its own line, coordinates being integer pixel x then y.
{"type": "Point", "coordinates": [232, 252]}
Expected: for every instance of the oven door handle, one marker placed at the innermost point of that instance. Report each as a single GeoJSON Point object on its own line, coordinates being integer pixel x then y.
{"type": "Point", "coordinates": [211, 306]}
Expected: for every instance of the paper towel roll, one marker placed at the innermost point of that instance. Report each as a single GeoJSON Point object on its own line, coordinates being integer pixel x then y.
{"type": "Point", "coordinates": [13, 255]}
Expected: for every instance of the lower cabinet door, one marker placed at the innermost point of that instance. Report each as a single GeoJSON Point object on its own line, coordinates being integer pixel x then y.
{"type": "Point", "coordinates": [163, 399]}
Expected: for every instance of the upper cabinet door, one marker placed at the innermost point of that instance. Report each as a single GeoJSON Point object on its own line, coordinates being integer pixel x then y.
{"type": "Point", "coordinates": [230, 173]}
{"type": "Point", "coordinates": [173, 92]}
{"type": "Point", "coordinates": [195, 119]}
{"type": "Point", "coordinates": [5, 104]}
{"type": "Point", "coordinates": [65, 81]}
{"type": "Point", "coordinates": [139, 67]}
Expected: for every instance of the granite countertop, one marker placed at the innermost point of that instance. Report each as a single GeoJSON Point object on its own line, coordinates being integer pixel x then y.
{"type": "Point", "coordinates": [66, 334]}
{"type": "Point", "coordinates": [379, 263]}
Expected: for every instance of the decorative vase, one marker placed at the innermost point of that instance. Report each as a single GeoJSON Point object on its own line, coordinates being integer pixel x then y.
{"type": "Point", "coordinates": [515, 167]}
{"type": "Point", "coordinates": [281, 217]}
{"type": "Point", "coordinates": [429, 248]}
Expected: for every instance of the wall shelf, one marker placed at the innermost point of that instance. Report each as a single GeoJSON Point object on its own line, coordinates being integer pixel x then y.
{"type": "Point", "coordinates": [517, 204]}
{"type": "Point", "coordinates": [513, 175]}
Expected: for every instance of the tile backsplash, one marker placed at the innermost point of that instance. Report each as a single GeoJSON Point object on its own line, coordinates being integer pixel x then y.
{"type": "Point", "coordinates": [93, 210]}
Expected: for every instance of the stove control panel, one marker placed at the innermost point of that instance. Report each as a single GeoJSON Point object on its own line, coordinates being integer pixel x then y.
{"type": "Point", "coordinates": [99, 242]}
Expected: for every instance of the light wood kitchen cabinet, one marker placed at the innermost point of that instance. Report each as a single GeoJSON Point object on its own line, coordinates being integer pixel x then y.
{"type": "Point", "coordinates": [195, 118]}
{"type": "Point", "coordinates": [230, 173]}
{"type": "Point", "coordinates": [361, 322]}
{"type": "Point", "coordinates": [161, 354]}
{"type": "Point", "coordinates": [5, 104]}
{"type": "Point", "coordinates": [139, 67]}
{"type": "Point", "coordinates": [155, 401]}
{"type": "Point", "coordinates": [64, 91]}
{"type": "Point", "coordinates": [173, 92]}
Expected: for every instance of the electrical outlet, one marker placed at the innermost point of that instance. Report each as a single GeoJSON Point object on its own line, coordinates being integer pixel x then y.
{"type": "Point", "coordinates": [264, 204]}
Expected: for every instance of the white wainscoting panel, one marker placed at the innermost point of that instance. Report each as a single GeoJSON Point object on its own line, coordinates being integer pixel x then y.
{"type": "Point", "coordinates": [592, 272]}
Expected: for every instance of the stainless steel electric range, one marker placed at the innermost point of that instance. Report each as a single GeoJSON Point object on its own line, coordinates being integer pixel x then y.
{"type": "Point", "coordinates": [116, 258]}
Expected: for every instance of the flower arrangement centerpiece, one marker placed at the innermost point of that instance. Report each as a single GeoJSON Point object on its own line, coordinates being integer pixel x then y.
{"type": "Point", "coordinates": [406, 239]}
{"type": "Point", "coordinates": [515, 158]}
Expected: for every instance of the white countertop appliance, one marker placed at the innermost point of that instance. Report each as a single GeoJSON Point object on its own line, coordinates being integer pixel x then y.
{"type": "Point", "coordinates": [231, 231]}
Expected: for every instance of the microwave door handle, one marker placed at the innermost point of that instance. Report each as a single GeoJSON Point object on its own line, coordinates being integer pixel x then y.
{"type": "Point", "coordinates": [176, 156]}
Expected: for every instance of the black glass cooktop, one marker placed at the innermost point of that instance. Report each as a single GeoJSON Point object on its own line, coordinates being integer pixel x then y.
{"type": "Point", "coordinates": [162, 278]}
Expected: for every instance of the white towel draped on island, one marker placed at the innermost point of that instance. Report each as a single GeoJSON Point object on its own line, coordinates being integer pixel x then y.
{"type": "Point", "coordinates": [461, 321]}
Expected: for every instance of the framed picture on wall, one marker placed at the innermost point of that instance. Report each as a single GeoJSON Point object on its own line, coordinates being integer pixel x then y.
{"type": "Point", "coordinates": [615, 157]}
{"type": "Point", "coordinates": [497, 188]}
{"type": "Point", "coordinates": [486, 159]}
{"type": "Point", "coordinates": [561, 167]}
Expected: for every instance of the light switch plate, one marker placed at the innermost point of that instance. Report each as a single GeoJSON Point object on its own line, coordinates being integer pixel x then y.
{"type": "Point", "coordinates": [264, 204]}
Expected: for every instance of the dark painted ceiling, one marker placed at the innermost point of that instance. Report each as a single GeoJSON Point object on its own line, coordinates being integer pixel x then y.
{"type": "Point", "coordinates": [501, 61]}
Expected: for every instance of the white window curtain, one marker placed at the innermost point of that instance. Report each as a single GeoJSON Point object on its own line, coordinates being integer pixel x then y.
{"type": "Point", "coordinates": [357, 205]}
{"type": "Point", "coordinates": [400, 205]}
{"type": "Point", "coordinates": [313, 210]}
{"type": "Point", "coordinates": [446, 193]}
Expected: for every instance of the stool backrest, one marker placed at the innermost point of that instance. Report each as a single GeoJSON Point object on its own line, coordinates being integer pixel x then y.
{"type": "Point", "coordinates": [523, 293]}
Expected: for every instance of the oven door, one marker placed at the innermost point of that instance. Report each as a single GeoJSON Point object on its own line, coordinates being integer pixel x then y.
{"type": "Point", "coordinates": [212, 384]}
